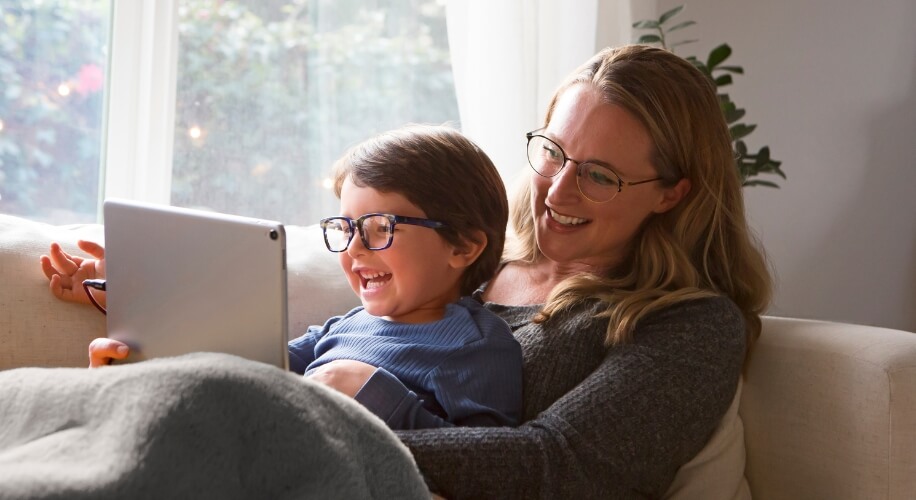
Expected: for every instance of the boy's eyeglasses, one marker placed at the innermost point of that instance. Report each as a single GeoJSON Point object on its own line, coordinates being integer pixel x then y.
{"type": "Point", "coordinates": [375, 230]}
{"type": "Point", "coordinates": [597, 183]}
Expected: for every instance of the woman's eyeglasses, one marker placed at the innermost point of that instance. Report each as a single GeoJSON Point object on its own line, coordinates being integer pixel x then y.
{"type": "Point", "coordinates": [597, 183]}
{"type": "Point", "coordinates": [375, 230]}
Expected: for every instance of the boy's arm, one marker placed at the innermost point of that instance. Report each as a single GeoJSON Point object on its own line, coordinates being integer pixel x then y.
{"type": "Point", "coordinates": [302, 349]}
{"type": "Point", "coordinates": [479, 385]}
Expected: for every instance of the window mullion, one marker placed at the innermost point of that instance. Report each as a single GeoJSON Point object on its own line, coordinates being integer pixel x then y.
{"type": "Point", "coordinates": [141, 103]}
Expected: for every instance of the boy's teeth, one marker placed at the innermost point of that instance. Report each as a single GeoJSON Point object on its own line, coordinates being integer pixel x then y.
{"type": "Point", "coordinates": [565, 219]}
{"type": "Point", "coordinates": [372, 279]}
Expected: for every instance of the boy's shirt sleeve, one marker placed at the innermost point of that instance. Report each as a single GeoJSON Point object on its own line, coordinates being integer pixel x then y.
{"type": "Point", "coordinates": [302, 349]}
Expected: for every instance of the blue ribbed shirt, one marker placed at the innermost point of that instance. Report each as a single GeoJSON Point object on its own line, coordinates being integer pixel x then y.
{"type": "Point", "coordinates": [464, 369]}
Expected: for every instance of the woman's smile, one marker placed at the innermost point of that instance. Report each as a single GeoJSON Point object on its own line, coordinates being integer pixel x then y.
{"type": "Point", "coordinates": [566, 220]}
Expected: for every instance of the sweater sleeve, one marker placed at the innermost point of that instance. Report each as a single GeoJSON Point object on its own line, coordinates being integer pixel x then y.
{"type": "Point", "coordinates": [621, 432]}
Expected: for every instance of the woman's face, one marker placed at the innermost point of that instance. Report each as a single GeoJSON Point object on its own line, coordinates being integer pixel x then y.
{"type": "Point", "coordinates": [570, 229]}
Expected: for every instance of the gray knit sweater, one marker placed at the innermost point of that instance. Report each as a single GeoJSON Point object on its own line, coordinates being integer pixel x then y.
{"type": "Point", "coordinates": [600, 423]}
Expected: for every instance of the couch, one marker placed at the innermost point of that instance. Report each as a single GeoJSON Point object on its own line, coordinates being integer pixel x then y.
{"type": "Point", "coordinates": [826, 410]}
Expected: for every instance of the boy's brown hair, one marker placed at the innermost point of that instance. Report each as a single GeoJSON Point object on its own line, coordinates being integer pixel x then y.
{"type": "Point", "coordinates": [447, 176]}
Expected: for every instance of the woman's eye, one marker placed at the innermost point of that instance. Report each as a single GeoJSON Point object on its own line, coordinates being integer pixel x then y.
{"type": "Point", "coordinates": [600, 177]}
{"type": "Point", "coordinates": [551, 153]}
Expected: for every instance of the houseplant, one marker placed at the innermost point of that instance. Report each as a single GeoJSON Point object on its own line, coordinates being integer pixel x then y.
{"type": "Point", "coordinates": [750, 165]}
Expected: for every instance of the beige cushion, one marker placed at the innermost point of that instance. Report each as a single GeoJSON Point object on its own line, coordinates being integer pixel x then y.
{"type": "Point", "coordinates": [717, 471]}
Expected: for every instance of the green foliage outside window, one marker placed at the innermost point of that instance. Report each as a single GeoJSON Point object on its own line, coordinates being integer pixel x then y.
{"type": "Point", "coordinates": [269, 94]}
{"type": "Point", "coordinates": [52, 63]}
{"type": "Point", "coordinates": [280, 90]}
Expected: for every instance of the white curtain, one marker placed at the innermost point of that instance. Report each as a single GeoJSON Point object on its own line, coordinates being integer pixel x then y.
{"type": "Point", "coordinates": [509, 56]}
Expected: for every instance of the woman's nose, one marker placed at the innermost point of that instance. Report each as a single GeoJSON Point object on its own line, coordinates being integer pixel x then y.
{"type": "Point", "coordinates": [565, 184]}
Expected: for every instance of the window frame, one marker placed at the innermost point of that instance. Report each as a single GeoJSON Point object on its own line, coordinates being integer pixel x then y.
{"type": "Point", "coordinates": [140, 106]}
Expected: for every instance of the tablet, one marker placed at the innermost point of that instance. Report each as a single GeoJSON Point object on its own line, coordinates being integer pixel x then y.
{"type": "Point", "coordinates": [180, 280]}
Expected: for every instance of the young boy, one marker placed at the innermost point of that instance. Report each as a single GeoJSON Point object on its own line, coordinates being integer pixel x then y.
{"type": "Point", "coordinates": [422, 222]}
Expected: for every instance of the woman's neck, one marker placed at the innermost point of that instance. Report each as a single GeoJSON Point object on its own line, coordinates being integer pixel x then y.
{"type": "Point", "coordinates": [523, 284]}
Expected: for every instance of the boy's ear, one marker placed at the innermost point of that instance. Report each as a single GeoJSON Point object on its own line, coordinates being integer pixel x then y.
{"type": "Point", "coordinates": [466, 253]}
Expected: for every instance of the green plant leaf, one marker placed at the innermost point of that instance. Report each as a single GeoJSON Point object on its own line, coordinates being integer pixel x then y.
{"type": "Point", "coordinates": [671, 13]}
{"type": "Point", "coordinates": [646, 24]}
{"type": "Point", "coordinates": [723, 80]}
{"type": "Point", "coordinates": [732, 69]}
{"type": "Point", "coordinates": [778, 170]}
{"type": "Point", "coordinates": [649, 39]}
{"type": "Point", "coordinates": [717, 55]}
{"type": "Point", "coordinates": [681, 25]}
{"type": "Point", "coordinates": [732, 113]}
{"type": "Point", "coordinates": [740, 131]}
{"type": "Point", "coordinates": [759, 182]}
{"type": "Point", "coordinates": [741, 148]}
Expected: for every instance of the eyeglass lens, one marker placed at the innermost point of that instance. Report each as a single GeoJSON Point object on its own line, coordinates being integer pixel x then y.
{"type": "Point", "coordinates": [376, 232]}
{"type": "Point", "coordinates": [596, 182]}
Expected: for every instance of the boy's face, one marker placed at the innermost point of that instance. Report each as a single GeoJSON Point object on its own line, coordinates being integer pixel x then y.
{"type": "Point", "coordinates": [412, 280]}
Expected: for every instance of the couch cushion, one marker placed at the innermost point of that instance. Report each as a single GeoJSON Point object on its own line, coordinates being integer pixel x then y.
{"type": "Point", "coordinates": [717, 471]}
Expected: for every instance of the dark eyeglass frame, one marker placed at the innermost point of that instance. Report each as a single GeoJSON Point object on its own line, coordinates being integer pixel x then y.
{"type": "Point", "coordinates": [620, 182]}
{"type": "Point", "coordinates": [393, 221]}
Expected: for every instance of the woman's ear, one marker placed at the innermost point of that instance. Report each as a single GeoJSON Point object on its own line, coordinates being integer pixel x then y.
{"type": "Point", "coordinates": [673, 195]}
{"type": "Point", "coordinates": [466, 253]}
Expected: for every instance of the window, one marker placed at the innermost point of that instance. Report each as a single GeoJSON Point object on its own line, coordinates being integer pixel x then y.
{"type": "Point", "coordinates": [53, 57]}
{"type": "Point", "coordinates": [238, 106]}
{"type": "Point", "coordinates": [270, 93]}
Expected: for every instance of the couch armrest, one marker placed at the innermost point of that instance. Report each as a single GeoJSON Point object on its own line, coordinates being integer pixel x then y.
{"type": "Point", "coordinates": [829, 411]}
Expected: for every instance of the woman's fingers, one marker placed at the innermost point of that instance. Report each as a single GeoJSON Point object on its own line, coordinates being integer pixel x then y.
{"type": "Point", "coordinates": [103, 350]}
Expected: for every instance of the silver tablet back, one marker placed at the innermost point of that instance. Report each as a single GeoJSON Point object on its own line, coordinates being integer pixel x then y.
{"type": "Point", "coordinates": [181, 280]}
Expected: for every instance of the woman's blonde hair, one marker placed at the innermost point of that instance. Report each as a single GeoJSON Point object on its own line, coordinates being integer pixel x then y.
{"type": "Point", "coordinates": [701, 247]}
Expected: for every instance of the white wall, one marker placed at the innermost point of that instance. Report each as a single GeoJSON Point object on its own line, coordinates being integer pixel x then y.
{"type": "Point", "coordinates": [832, 88]}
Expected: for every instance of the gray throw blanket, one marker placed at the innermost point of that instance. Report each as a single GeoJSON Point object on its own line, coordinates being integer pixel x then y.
{"type": "Point", "coordinates": [196, 426]}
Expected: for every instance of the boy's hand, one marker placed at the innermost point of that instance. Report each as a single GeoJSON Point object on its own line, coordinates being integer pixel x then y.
{"type": "Point", "coordinates": [345, 375]}
{"type": "Point", "coordinates": [66, 272]}
{"type": "Point", "coordinates": [102, 351]}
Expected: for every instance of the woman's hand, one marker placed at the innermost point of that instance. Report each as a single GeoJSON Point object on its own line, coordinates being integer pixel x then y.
{"type": "Point", "coordinates": [66, 272]}
{"type": "Point", "coordinates": [345, 375]}
{"type": "Point", "coordinates": [102, 351]}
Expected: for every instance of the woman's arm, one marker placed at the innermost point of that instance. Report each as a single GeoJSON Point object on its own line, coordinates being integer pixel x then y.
{"type": "Point", "coordinates": [622, 432]}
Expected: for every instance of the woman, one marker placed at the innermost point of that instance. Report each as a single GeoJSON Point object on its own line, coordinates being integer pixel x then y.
{"type": "Point", "coordinates": [636, 298]}
{"type": "Point", "coordinates": [632, 284]}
